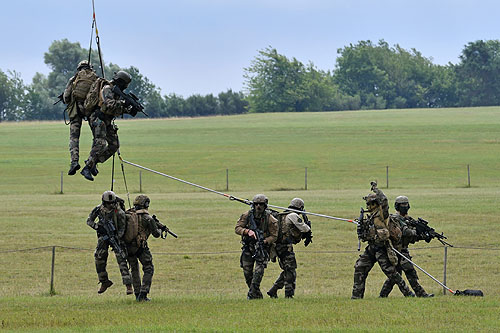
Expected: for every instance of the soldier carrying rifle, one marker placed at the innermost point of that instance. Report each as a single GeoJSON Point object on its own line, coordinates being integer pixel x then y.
{"type": "Point", "coordinates": [258, 230]}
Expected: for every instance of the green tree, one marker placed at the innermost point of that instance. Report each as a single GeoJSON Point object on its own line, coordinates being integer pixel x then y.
{"type": "Point", "coordinates": [478, 72]}
{"type": "Point", "coordinates": [12, 92]}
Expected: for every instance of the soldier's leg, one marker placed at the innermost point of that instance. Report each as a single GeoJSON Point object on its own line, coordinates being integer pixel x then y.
{"type": "Point", "coordinates": [101, 259]}
{"type": "Point", "coordinates": [290, 265]}
{"type": "Point", "coordinates": [75, 125]}
{"type": "Point", "coordinates": [390, 271]}
{"type": "Point", "coordinates": [411, 275]}
{"type": "Point", "coordinates": [134, 269]}
{"type": "Point", "coordinates": [99, 145]}
{"type": "Point", "coordinates": [362, 267]}
{"type": "Point", "coordinates": [247, 263]}
{"type": "Point", "coordinates": [146, 260]}
{"type": "Point", "coordinates": [280, 282]}
{"type": "Point", "coordinates": [258, 274]}
{"type": "Point", "coordinates": [389, 284]}
{"type": "Point", "coordinates": [123, 266]}
{"type": "Point", "coordinates": [112, 143]}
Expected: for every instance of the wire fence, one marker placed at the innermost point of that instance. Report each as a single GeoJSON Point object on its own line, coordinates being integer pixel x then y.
{"type": "Point", "coordinates": [52, 248]}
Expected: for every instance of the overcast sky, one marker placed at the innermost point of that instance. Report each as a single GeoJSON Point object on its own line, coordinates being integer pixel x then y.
{"type": "Point", "coordinates": [202, 46]}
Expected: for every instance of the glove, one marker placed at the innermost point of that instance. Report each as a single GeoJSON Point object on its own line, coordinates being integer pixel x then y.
{"type": "Point", "coordinates": [100, 230]}
{"type": "Point", "coordinates": [374, 185]}
{"type": "Point", "coordinates": [308, 238]}
{"type": "Point", "coordinates": [132, 112]}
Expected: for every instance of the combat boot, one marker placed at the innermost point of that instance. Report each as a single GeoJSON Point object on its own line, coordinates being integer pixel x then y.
{"type": "Point", "coordinates": [426, 295]}
{"type": "Point", "coordinates": [130, 291]}
{"type": "Point", "coordinates": [73, 168]}
{"type": "Point", "coordinates": [143, 297]}
{"type": "Point", "coordinates": [86, 173]}
{"type": "Point", "coordinates": [104, 286]}
{"type": "Point", "coordinates": [273, 292]}
{"type": "Point", "coordinates": [94, 170]}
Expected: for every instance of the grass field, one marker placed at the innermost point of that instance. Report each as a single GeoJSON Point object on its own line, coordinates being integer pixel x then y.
{"type": "Point", "coordinates": [198, 284]}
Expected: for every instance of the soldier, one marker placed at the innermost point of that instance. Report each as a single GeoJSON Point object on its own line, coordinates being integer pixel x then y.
{"type": "Point", "coordinates": [374, 229]}
{"type": "Point", "coordinates": [138, 249]}
{"type": "Point", "coordinates": [106, 141]}
{"type": "Point", "coordinates": [74, 96]}
{"type": "Point", "coordinates": [258, 230]}
{"type": "Point", "coordinates": [409, 235]}
{"type": "Point", "coordinates": [292, 229]}
{"type": "Point", "coordinates": [110, 228]}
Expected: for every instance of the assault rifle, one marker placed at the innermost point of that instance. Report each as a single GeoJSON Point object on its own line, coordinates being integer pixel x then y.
{"type": "Point", "coordinates": [363, 228]}
{"type": "Point", "coordinates": [130, 100]}
{"type": "Point", "coordinates": [164, 229]}
{"type": "Point", "coordinates": [59, 99]}
{"type": "Point", "coordinates": [260, 250]}
{"type": "Point", "coordinates": [308, 236]}
{"type": "Point", "coordinates": [111, 236]}
{"type": "Point", "coordinates": [427, 233]}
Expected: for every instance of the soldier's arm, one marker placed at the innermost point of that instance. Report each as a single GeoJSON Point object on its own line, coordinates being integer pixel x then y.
{"type": "Point", "coordinates": [297, 221]}
{"type": "Point", "coordinates": [153, 226]}
{"type": "Point", "coordinates": [68, 90]}
{"type": "Point", "coordinates": [112, 104]}
{"type": "Point", "coordinates": [240, 228]}
{"type": "Point", "coordinates": [273, 230]}
{"type": "Point", "coordinates": [92, 216]}
{"type": "Point", "coordinates": [121, 220]}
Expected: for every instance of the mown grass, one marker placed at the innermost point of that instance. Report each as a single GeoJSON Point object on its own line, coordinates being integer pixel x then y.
{"type": "Point", "coordinates": [198, 285]}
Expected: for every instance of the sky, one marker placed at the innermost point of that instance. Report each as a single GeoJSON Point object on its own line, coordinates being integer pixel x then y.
{"type": "Point", "coordinates": [202, 46]}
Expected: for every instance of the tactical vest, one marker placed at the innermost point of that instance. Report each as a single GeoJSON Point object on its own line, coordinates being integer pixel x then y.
{"type": "Point", "coordinates": [142, 232]}
{"type": "Point", "coordinates": [287, 232]}
{"type": "Point", "coordinates": [94, 97]}
{"type": "Point", "coordinates": [262, 223]}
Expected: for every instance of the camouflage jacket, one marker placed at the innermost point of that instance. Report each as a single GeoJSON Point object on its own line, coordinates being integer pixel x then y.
{"type": "Point", "coordinates": [116, 214]}
{"type": "Point", "coordinates": [267, 223]}
{"type": "Point", "coordinates": [291, 228]}
{"type": "Point", "coordinates": [409, 234]}
{"type": "Point", "coordinates": [147, 226]}
{"type": "Point", "coordinates": [112, 105]}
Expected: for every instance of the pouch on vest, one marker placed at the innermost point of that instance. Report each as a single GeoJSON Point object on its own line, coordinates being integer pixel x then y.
{"type": "Point", "coordinates": [82, 83]}
{"type": "Point", "coordinates": [93, 98]}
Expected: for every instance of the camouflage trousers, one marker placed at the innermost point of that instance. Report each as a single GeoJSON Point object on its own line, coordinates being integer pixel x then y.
{"type": "Point", "coordinates": [411, 274]}
{"type": "Point", "coordinates": [144, 256]}
{"type": "Point", "coordinates": [101, 259]}
{"type": "Point", "coordinates": [365, 263]}
{"type": "Point", "coordinates": [253, 276]}
{"type": "Point", "coordinates": [105, 142]}
{"type": "Point", "coordinates": [75, 126]}
{"type": "Point", "coordinates": [288, 264]}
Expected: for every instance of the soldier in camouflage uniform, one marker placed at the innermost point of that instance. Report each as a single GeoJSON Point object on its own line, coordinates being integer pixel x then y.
{"type": "Point", "coordinates": [375, 230]}
{"type": "Point", "coordinates": [109, 210]}
{"type": "Point", "coordinates": [138, 249]}
{"type": "Point", "coordinates": [106, 141]}
{"type": "Point", "coordinates": [409, 235]}
{"type": "Point", "coordinates": [267, 225]}
{"type": "Point", "coordinates": [74, 96]}
{"type": "Point", "coordinates": [291, 230]}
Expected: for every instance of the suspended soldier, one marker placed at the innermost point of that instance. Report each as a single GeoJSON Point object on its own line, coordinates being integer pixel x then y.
{"type": "Point", "coordinates": [74, 96]}
{"type": "Point", "coordinates": [409, 235]}
{"type": "Point", "coordinates": [110, 229]}
{"type": "Point", "coordinates": [106, 101]}
{"type": "Point", "coordinates": [374, 229]}
{"type": "Point", "coordinates": [258, 230]}
{"type": "Point", "coordinates": [141, 225]}
{"type": "Point", "coordinates": [291, 230]}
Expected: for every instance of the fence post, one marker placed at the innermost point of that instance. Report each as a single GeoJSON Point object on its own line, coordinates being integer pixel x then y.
{"type": "Point", "coordinates": [468, 175]}
{"type": "Point", "coordinates": [227, 179]}
{"type": "Point", "coordinates": [61, 183]}
{"type": "Point", "coordinates": [444, 267]}
{"type": "Point", "coordinates": [306, 179]}
{"type": "Point", "coordinates": [140, 181]}
{"type": "Point", "coordinates": [387, 176]}
{"type": "Point", "coordinates": [52, 290]}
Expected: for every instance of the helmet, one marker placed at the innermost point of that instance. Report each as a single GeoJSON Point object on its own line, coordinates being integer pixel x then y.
{"type": "Point", "coordinates": [402, 200]}
{"type": "Point", "coordinates": [122, 76]}
{"type": "Point", "coordinates": [142, 201]}
{"type": "Point", "coordinates": [83, 64]}
{"type": "Point", "coordinates": [260, 198]}
{"type": "Point", "coordinates": [108, 197]}
{"type": "Point", "coordinates": [297, 203]}
{"type": "Point", "coordinates": [371, 198]}
{"type": "Point", "coordinates": [402, 204]}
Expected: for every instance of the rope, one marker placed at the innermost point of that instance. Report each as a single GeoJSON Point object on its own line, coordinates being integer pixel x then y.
{"type": "Point", "coordinates": [98, 40]}
{"type": "Point", "coordinates": [124, 178]}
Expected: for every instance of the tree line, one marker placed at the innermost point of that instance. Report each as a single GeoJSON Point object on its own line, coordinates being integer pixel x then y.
{"type": "Point", "coordinates": [367, 75]}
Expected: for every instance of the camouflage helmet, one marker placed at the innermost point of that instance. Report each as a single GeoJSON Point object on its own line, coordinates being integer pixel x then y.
{"type": "Point", "coordinates": [260, 198]}
{"type": "Point", "coordinates": [297, 203]}
{"type": "Point", "coordinates": [122, 76]}
{"type": "Point", "coordinates": [401, 200]}
{"type": "Point", "coordinates": [371, 198]}
{"type": "Point", "coordinates": [109, 197]}
{"type": "Point", "coordinates": [142, 201]}
{"type": "Point", "coordinates": [83, 64]}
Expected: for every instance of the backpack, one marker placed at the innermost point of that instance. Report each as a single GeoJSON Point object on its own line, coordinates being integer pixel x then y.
{"type": "Point", "coordinates": [93, 98]}
{"type": "Point", "coordinates": [132, 228]}
{"type": "Point", "coordinates": [82, 83]}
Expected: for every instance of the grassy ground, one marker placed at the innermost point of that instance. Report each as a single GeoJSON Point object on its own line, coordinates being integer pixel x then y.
{"type": "Point", "coordinates": [198, 284]}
